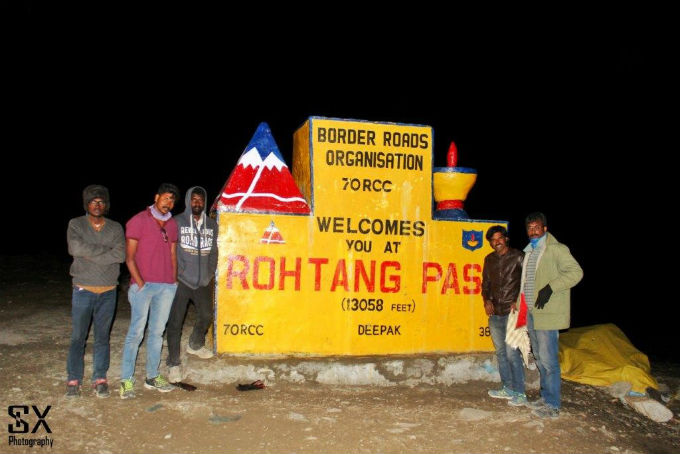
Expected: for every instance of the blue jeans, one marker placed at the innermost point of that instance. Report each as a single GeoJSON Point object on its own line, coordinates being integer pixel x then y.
{"type": "Point", "coordinates": [510, 364]}
{"type": "Point", "coordinates": [153, 301]}
{"type": "Point", "coordinates": [545, 345]}
{"type": "Point", "coordinates": [86, 308]}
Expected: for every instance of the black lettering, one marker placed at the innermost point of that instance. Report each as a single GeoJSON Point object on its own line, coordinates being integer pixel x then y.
{"type": "Point", "coordinates": [338, 227]}
{"type": "Point", "coordinates": [41, 419]}
{"type": "Point", "coordinates": [380, 160]}
{"type": "Point", "coordinates": [387, 139]}
{"type": "Point", "coordinates": [339, 158]}
{"type": "Point", "coordinates": [349, 226]}
{"type": "Point", "coordinates": [323, 223]}
{"type": "Point", "coordinates": [424, 142]}
{"type": "Point", "coordinates": [364, 230]}
{"type": "Point", "coordinates": [370, 137]}
{"type": "Point", "coordinates": [356, 184]}
{"type": "Point", "coordinates": [21, 426]}
{"type": "Point", "coordinates": [379, 330]}
{"type": "Point", "coordinates": [392, 227]}
{"type": "Point", "coordinates": [418, 228]}
{"type": "Point", "coordinates": [404, 228]}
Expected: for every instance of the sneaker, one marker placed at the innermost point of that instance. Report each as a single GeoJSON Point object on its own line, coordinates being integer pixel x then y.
{"type": "Point", "coordinates": [518, 400]}
{"type": "Point", "coordinates": [174, 374]}
{"type": "Point", "coordinates": [101, 388]}
{"type": "Point", "coordinates": [159, 384]}
{"type": "Point", "coordinates": [127, 389]}
{"type": "Point", "coordinates": [73, 389]}
{"type": "Point", "coordinates": [503, 393]}
{"type": "Point", "coordinates": [547, 412]}
{"type": "Point", "coordinates": [202, 352]}
{"type": "Point", "coordinates": [534, 404]}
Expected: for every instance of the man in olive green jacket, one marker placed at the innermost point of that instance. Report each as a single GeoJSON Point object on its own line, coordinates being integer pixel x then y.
{"type": "Point", "coordinates": [548, 272]}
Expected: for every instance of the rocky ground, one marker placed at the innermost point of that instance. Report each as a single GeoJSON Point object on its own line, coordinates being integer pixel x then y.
{"type": "Point", "coordinates": [429, 403]}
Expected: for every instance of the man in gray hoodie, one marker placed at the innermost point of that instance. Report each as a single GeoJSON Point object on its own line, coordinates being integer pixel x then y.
{"type": "Point", "coordinates": [97, 245]}
{"type": "Point", "coordinates": [196, 264]}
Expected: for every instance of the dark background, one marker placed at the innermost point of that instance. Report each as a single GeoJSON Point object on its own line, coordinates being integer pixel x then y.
{"type": "Point", "coordinates": [565, 118]}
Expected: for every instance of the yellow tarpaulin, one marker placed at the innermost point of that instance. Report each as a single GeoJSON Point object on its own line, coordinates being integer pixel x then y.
{"type": "Point", "coordinates": [601, 355]}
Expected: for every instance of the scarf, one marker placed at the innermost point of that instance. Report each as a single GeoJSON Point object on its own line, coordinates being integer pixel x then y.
{"type": "Point", "coordinates": [158, 215]}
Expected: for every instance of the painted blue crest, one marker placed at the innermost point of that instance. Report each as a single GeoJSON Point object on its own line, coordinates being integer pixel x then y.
{"type": "Point", "coordinates": [473, 239]}
{"type": "Point", "coordinates": [264, 142]}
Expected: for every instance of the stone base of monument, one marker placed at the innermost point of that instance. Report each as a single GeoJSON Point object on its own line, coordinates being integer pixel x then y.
{"type": "Point", "coordinates": [408, 370]}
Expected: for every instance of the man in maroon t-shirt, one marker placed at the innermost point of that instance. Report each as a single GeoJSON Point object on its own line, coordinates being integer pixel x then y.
{"type": "Point", "coordinates": [151, 250]}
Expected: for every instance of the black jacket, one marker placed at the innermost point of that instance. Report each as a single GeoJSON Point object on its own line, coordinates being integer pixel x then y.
{"type": "Point", "coordinates": [501, 279]}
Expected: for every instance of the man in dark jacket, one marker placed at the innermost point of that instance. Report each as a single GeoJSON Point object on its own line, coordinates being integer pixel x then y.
{"type": "Point", "coordinates": [97, 245]}
{"type": "Point", "coordinates": [196, 264]}
{"type": "Point", "coordinates": [500, 287]}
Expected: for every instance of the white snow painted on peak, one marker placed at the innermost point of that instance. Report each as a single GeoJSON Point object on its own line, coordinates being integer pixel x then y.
{"type": "Point", "coordinates": [272, 161]}
{"type": "Point", "coordinates": [252, 158]}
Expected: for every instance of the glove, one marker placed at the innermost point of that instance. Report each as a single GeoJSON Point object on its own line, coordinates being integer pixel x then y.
{"type": "Point", "coordinates": [543, 297]}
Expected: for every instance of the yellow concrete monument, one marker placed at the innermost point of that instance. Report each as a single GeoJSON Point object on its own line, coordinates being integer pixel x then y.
{"type": "Point", "coordinates": [348, 254]}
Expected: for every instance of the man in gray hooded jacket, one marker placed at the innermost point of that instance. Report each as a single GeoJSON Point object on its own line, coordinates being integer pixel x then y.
{"type": "Point", "coordinates": [196, 264]}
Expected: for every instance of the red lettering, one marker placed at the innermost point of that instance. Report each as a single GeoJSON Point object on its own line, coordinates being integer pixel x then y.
{"type": "Point", "coordinates": [427, 278]}
{"type": "Point", "coordinates": [395, 278]}
{"type": "Point", "coordinates": [467, 277]}
{"type": "Point", "coordinates": [283, 273]}
{"type": "Point", "coordinates": [360, 271]}
{"type": "Point", "coordinates": [317, 271]}
{"type": "Point", "coordinates": [256, 273]}
{"type": "Point", "coordinates": [451, 280]}
{"type": "Point", "coordinates": [241, 274]}
{"type": "Point", "coordinates": [340, 276]}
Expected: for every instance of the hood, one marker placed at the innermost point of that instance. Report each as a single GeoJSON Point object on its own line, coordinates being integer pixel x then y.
{"type": "Point", "coordinates": [94, 191]}
{"type": "Point", "coordinates": [187, 200]}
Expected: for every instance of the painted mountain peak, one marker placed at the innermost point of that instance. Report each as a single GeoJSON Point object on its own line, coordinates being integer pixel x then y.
{"type": "Point", "coordinates": [261, 181]}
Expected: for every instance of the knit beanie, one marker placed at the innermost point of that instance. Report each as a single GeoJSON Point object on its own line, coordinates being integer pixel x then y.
{"type": "Point", "coordinates": [94, 191]}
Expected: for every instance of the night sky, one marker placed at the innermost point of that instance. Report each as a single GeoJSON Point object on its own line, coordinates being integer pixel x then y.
{"type": "Point", "coordinates": [563, 123]}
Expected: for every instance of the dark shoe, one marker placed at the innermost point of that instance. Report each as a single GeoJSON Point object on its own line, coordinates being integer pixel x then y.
{"type": "Point", "coordinates": [159, 384]}
{"type": "Point", "coordinates": [503, 393]}
{"type": "Point", "coordinates": [73, 389]}
{"type": "Point", "coordinates": [518, 400]}
{"type": "Point", "coordinates": [101, 388]}
{"type": "Point", "coordinates": [547, 412]}
{"type": "Point", "coordinates": [535, 404]}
